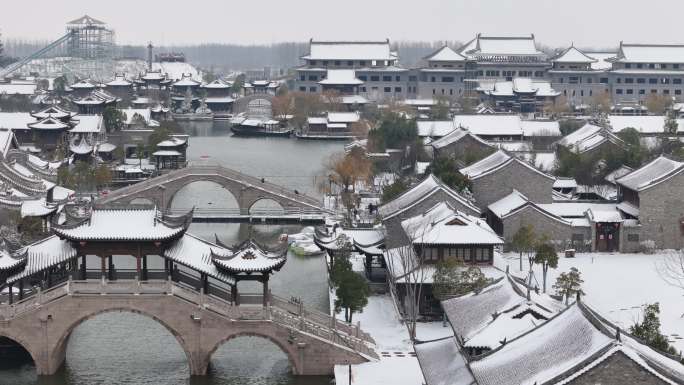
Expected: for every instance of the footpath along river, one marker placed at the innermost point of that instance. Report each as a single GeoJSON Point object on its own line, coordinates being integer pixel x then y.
{"type": "Point", "coordinates": [127, 348]}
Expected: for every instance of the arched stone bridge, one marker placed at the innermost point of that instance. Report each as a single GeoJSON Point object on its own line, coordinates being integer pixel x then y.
{"type": "Point", "coordinates": [240, 105]}
{"type": "Point", "coordinates": [246, 189]}
{"type": "Point", "coordinates": [200, 323]}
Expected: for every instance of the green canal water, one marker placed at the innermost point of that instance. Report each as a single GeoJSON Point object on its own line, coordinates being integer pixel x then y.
{"type": "Point", "coordinates": [127, 348]}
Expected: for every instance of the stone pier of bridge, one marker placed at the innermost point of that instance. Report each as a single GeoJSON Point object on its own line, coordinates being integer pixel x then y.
{"type": "Point", "coordinates": [43, 324]}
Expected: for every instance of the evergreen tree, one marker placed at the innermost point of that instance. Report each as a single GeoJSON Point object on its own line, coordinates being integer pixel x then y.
{"type": "Point", "coordinates": [523, 241]}
{"type": "Point", "coordinates": [446, 169]}
{"type": "Point", "coordinates": [546, 256]}
{"type": "Point", "coordinates": [394, 190]}
{"type": "Point", "coordinates": [569, 284]}
{"type": "Point", "coordinates": [671, 125]}
{"type": "Point", "coordinates": [351, 289]}
{"type": "Point", "coordinates": [113, 119]}
{"type": "Point", "coordinates": [649, 330]}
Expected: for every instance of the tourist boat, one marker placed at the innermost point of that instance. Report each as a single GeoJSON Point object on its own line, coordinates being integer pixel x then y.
{"type": "Point", "coordinates": [241, 126]}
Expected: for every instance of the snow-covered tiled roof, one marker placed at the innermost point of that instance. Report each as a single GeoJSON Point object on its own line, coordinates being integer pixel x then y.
{"type": "Point", "coordinates": [49, 124]}
{"type": "Point", "coordinates": [418, 193]}
{"type": "Point", "coordinates": [52, 111]}
{"type": "Point", "coordinates": [644, 124]}
{"type": "Point", "coordinates": [445, 54]}
{"type": "Point", "coordinates": [16, 120]}
{"type": "Point", "coordinates": [217, 84]}
{"type": "Point", "coordinates": [573, 55]}
{"type": "Point", "coordinates": [649, 175]}
{"type": "Point", "coordinates": [562, 183]}
{"type": "Point", "coordinates": [618, 173]}
{"type": "Point", "coordinates": [356, 237]}
{"type": "Point", "coordinates": [588, 137]}
{"type": "Point", "coordinates": [198, 255]}
{"type": "Point", "coordinates": [186, 81]}
{"type": "Point", "coordinates": [6, 140]}
{"type": "Point", "coordinates": [341, 77]}
{"type": "Point", "coordinates": [174, 141]}
{"type": "Point", "coordinates": [490, 124]}
{"type": "Point", "coordinates": [125, 225]}
{"type": "Point", "coordinates": [443, 225]}
{"type": "Point", "coordinates": [42, 255]}
{"type": "Point", "coordinates": [88, 124]}
{"type": "Point", "coordinates": [442, 363]}
{"type": "Point", "coordinates": [250, 258]}
{"type": "Point", "coordinates": [470, 313]}
{"type": "Point", "coordinates": [495, 162]}
{"type": "Point", "coordinates": [454, 136]}
{"type": "Point", "coordinates": [119, 81]}
{"type": "Point", "coordinates": [650, 53]}
{"type": "Point", "coordinates": [343, 117]}
{"type": "Point", "coordinates": [486, 45]}
{"type": "Point", "coordinates": [350, 50]}
{"type": "Point", "coordinates": [540, 128]}
{"type": "Point", "coordinates": [354, 99]}
{"type": "Point", "coordinates": [86, 20]}
{"type": "Point", "coordinates": [37, 208]}
{"type": "Point", "coordinates": [435, 128]}
{"type": "Point", "coordinates": [508, 203]}
{"type": "Point", "coordinates": [574, 209]}
{"type": "Point", "coordinates": [18, 88]}
{"type": "Point", "coordinates": [556, 347]}
{"type": "Point", "coordinates": [10, 262]}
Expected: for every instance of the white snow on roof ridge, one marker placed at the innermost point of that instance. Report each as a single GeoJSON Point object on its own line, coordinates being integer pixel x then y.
{"type": "Point", "coordinates": [654, 172]}
{"type": "Point", "coordinates": [557, 346]}
{"type": "Point", "coordinates": [574, 55]}
{"type": "Point", "coordinates": [445, 54]}
{"type": "Point", "coordinates": [508, 203]}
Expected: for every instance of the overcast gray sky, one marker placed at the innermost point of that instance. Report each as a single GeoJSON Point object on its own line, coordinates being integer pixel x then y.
{"type": "Point", "coordinates": [598, 23]}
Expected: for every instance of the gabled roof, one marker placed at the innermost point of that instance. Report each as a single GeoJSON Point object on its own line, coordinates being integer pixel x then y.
{"type": "Point", "coordinates": [418, 193]}
{"type": "Point", "coordinates": [350, 50]}
{"type": "Point", "coordinates": [589, 137]}
{"type": "Point", "coordinates": [52, 111]}
{"type": "Point", "coordinates": [556, 347]}
{"type": "Point", "coordinates": [186, 81]}
{"type": "Point", "coordinates": [80, 148]}
{"type": "Point", "coordinates": [198, 254]}
{"type": "Point", "coordinates": [486, 45]}
{"type": "Point", "coordinates": [49, 123]}
{"type": "Point", "coordinates": [119, 81]}
{"type": "Point", "coordinates": [455, 136]}
{"type": "Point", "coordinates": [510, 202]}
{"type": "Point", "coordinates": [573, 55]}
{"type": "Point", "coordinates": [566, 347]}
{"type": "Point", "coordinates": [217, 84]}
{"type": "Point", "coordinates": [495, 162]}
{"type": "Point", "coordinates": [618, 173]}
{"type": "Point", "coordinates": [443, 225]}
{"type": "Point", "coordinates": [650, 53]}
{"type": "Point", "coordinates": [445, 54]}
{"type": "Point", "coordinates": [651, 174]}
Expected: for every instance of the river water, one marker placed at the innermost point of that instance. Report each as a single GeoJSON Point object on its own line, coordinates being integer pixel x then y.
{"type": "Point", "coordinates": [127, 348]}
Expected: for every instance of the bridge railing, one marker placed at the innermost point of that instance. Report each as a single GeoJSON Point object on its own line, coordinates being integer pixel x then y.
{"type": "Point", "coordinates": [284, 312]}
{"type": "Point", "coordinates": [210, 212]}
{"type": "Point", "coordinates": [214, 170]}
{"type": "Point", "coordinates": [320, 318]}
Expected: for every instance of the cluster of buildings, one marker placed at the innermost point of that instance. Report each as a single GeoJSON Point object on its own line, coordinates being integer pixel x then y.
{"type": "Point", "coordinates": [510, 72]}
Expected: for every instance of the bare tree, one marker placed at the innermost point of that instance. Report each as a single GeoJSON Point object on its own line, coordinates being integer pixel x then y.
{"type": "Point", "coordinates": [407, 268]}
{"type": "Point", "coordinates": [671, 268]}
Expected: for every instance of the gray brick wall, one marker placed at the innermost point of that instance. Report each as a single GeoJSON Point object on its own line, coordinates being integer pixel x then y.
{"type": "Point", "coordinates": [559, 233]}
{"type": "Point", "coordinates": [490, 188]}
{"type": "Point", "coordinates": [661, 211]}
{"type": "Point", "coordinates": [464, 146]}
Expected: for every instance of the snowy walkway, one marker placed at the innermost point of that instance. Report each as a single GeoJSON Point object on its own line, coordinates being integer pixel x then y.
{"type": "Point", "coordinates": [398, 364]}
{"type": "Point", "coordinates": [617, 286]}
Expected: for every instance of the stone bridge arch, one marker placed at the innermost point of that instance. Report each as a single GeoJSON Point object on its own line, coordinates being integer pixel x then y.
{"type": "Point", "coordinates": [57, 353]}
{"type": "Point", "coordinates": [289, 349]}
{"type": "Point", "coordinates": [23, 341]}
{"type": "Point", "coordinates": [241, 105]}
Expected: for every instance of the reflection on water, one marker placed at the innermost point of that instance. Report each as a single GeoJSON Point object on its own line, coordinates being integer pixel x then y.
{"type": "Point", "coordinates": [127, 348]}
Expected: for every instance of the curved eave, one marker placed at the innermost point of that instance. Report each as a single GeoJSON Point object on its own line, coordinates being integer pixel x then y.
{"type": "Point", "coordinates": [70, 237]}
{"type": "Point", "coordinates": [276, 265]}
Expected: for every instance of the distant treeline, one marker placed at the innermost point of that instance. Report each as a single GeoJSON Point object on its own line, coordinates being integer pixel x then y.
{"type": "Point", "coordinates": [222, 58]}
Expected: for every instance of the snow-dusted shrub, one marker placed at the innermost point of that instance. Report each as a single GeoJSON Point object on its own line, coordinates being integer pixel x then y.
{"type": "Point", "coordinates": [647, 247]}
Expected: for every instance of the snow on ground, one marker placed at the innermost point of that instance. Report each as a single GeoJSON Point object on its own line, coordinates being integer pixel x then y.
{"type": "Point", "coordinates": [618, 286]}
